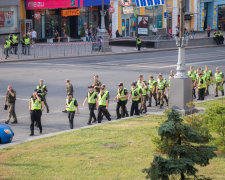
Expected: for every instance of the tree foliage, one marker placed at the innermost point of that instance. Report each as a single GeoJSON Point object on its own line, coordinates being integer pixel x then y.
{"type": "Point", "coordinates": [184, 150]}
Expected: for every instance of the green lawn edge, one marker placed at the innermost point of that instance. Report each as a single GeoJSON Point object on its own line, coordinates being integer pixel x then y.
{"type": "Point", "coordinates": [119, 150]}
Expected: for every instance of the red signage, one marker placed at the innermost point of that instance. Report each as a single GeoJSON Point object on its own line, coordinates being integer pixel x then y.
{"type": "Point", "coordinates": [111, 9]}
{"type": "Point", "coordinates": [125, 2]}
{"type": "Point", "coordinates": [37, 16]}
{"type": "Point", "coordinates": [50, 4]}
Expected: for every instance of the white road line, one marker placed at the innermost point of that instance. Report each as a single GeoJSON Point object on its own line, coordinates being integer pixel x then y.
{"type": "Point", "coordinates": [205, 62]}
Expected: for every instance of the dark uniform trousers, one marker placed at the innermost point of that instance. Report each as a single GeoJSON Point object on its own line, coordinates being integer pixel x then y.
{"type": "Point", "coordinates": [122, 105]}
{"type": "Point", "coordinates": [45, 102]}
{"type": "Point", "coordinates": [216, 89]}
{"type": "Point", "coordinates": [71, 115]}
{"type": "Point", "coordinates": [35, 117]}
{"type": "Point", "coordinates": [151, 94]}
{"type": "Point", "coordinates": [104, 111]}
{"type": "Point", "coordinates": [11, 112]}
{"type": "Point", "coordinates": [201, 94]}
{"type": "Point", "coordinates": [92, 108]}
{"type": "Point", "coordinates": [134, 108]}
{"type": "Point", "coordinates": [193, 89]}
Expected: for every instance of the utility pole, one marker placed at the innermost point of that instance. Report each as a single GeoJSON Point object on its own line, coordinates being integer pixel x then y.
{"type": "Point", "coordinates": [181, 85]}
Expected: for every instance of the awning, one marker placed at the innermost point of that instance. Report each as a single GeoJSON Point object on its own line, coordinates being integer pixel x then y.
{"type": "Point", "coordinates": [56, 4]}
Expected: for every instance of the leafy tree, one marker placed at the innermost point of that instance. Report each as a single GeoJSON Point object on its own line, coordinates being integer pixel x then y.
{"type": "Point", "coordinates": [215, 117]}
{"type": "Point", "coordinates": [183, 151]}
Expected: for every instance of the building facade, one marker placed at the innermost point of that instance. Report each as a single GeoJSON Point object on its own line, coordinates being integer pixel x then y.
{"type": "Point", "coordinates": [212, 13]}
{"type": "Point", "coordinates": [67, 17]}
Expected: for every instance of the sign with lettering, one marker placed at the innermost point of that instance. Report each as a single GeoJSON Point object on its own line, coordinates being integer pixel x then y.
{"type": "Point", "coordinates": [143, 3]}
{"type": "Point", "coordinates": [70, 12]}
{"type": "Point", "coordinates": [125, 2]}
{"type": "Point", "coordinates": [57, 4]}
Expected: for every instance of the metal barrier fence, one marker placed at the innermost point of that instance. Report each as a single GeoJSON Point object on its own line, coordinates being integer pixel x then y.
{"type": "Point", "coordinates": [54, 50]}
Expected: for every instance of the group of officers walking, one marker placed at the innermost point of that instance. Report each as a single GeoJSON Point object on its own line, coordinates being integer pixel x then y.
{"type": "Point", "coordinates": [98, 97]}
{"type": "Point", "coordinates": [218, 37]}
{"type": "Point", "coordinates": [11, 45]}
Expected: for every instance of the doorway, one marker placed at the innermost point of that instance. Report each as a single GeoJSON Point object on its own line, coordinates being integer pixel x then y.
{"type": "Point", "coordinates": [125, 27]}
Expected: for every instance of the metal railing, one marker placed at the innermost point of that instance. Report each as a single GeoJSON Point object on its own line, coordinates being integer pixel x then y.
{"type": "Point", "coordinates": [54, 50]}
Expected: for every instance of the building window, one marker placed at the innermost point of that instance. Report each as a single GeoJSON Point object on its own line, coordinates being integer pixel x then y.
{"type": "Point", "coordinates": [155, 14]}
{"type": "Point", "coordinates": [187, 5]}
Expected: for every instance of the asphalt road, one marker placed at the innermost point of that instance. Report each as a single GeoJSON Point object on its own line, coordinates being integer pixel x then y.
{"type": "Point", "coordinates": [112, 69]}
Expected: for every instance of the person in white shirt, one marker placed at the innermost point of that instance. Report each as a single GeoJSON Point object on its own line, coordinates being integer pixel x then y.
{"type": "Point", "coordinates": [34, 36]}
{"type": "Point", "coordinates": [154, 30]}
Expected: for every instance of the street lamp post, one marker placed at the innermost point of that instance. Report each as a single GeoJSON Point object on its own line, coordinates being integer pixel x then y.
{"type": "Point", "coordinates": [181, 86]}
{"type": "Point", "coordinates": [102, 32]}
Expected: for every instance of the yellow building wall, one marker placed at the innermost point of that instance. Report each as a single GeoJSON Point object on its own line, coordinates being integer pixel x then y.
{"type": "Point", "coordinates": [22, 9]}
{"type": "Point", "coordinates": [119, 19]}
{"type": "Point", "coordinates": [192, 18]}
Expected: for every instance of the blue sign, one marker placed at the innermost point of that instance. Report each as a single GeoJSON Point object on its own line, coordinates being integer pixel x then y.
{"type": "Point", "coordinates": [143, 3]}
{"type": "Point", "coordinates": [94, 2]}
{"type": "Point", "coordinates": [165, 14]}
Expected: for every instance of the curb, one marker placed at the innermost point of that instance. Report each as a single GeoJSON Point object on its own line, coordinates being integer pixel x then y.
{"type": "Point", "coordinates": [109, 54]}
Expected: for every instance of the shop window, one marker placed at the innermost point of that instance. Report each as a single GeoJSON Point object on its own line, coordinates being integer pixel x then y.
{"type": "Point", "coordinates": [155, 14]}
{"type": "Point", "coordinates": [8, 19]}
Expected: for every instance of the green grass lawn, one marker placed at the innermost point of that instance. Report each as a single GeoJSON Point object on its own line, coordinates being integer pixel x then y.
{"type": "Point", "coordinates": [208, 104]}
{"type": "Point", "coordinates": [117, 151]}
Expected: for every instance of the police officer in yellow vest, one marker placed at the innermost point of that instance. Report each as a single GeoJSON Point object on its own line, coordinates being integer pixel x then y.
{"type": "Point", "coordinates": [138, 43]}
{"type": "Point", "coordinates": [219, 78]}
{"type": "Point", "coordinates": [201, 87]}
{"type": "Point", "coordinates": [71, 108]}
{"type": "Point", "coordinates": [192, 74]}
{"type": "Point", "coordinates": [103, 104]}
{"type": "Point", "coordinates": [6, 48]}
{"type": "Point", "coordinates": [134, 95]}
{"type": "Point", "coordinates": [221, 38]}
{"type": "Point", "coordinates": [208, 76]}
{"type": "Point", "coordinates": [15, 43]}
{"type": "Point", "coordinates": [27, 45]}
{"type": "Point", "coordinates": [42, 90]}
{"type": "Point", "coordinates": [92, 98]}
{"type": "Point", "coordinates": [144, 89]}
{"type": "Point", "coordinates": [36, 107]}
{"type": "Point", "coordinates": [152, 91]}
{"type": "Point", "coordinates": [161, 89]}
{"type": "Point", "coordinates": [122, 97]}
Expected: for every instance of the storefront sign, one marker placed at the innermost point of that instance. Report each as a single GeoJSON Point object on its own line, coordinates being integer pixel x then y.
{"type": "Point", "coordinates": [128, 10]}
{"type": "Point", "coordinates": [142, 28]}
{"type": "Point", "coordinates": [70, 12]}
{"type": "Point", "coordinates": [56, 4]}
{"type": "Point", "coordinates": [111, 10]}
{"type": "Point", "coordinates": [143, 3]}
{"type": "Point", "coordinates": [125, 2]}
{"type": "Point", "coordinates": [37, 16]}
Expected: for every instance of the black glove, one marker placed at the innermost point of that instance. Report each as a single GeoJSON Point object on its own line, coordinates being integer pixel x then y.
{"type": "Point", "coordinates": [6, 107]}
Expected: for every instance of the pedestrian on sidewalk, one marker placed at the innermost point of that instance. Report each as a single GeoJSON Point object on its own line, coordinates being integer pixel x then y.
{"type": "Point", "coordinates": [34, 37]}
{"type": "Point", "coordinates": [154, 30]}
{"type": "Point", "coordinates": [27, 46]}
{"type": "Point", "coordinates": [36, 107]}
{"type": "Point", "coordinates": [6, 48]}
{"type": "Point", "coordinates": [90, 35]}
{"type": "Point", "coordinates": [71, 108]}
{"type": "Point", "coordinates": [92, 98]}
{"type": "Point", "coordinates": [99, 43]}
{"type": "Point", "coordinates": [208, 30]}
{"type": "Point", "coordinates": [11, 99]}
{"type": "Point", "coordinates": [23, 44]}
{"type": "Point", "coordinates": [138, 42]}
